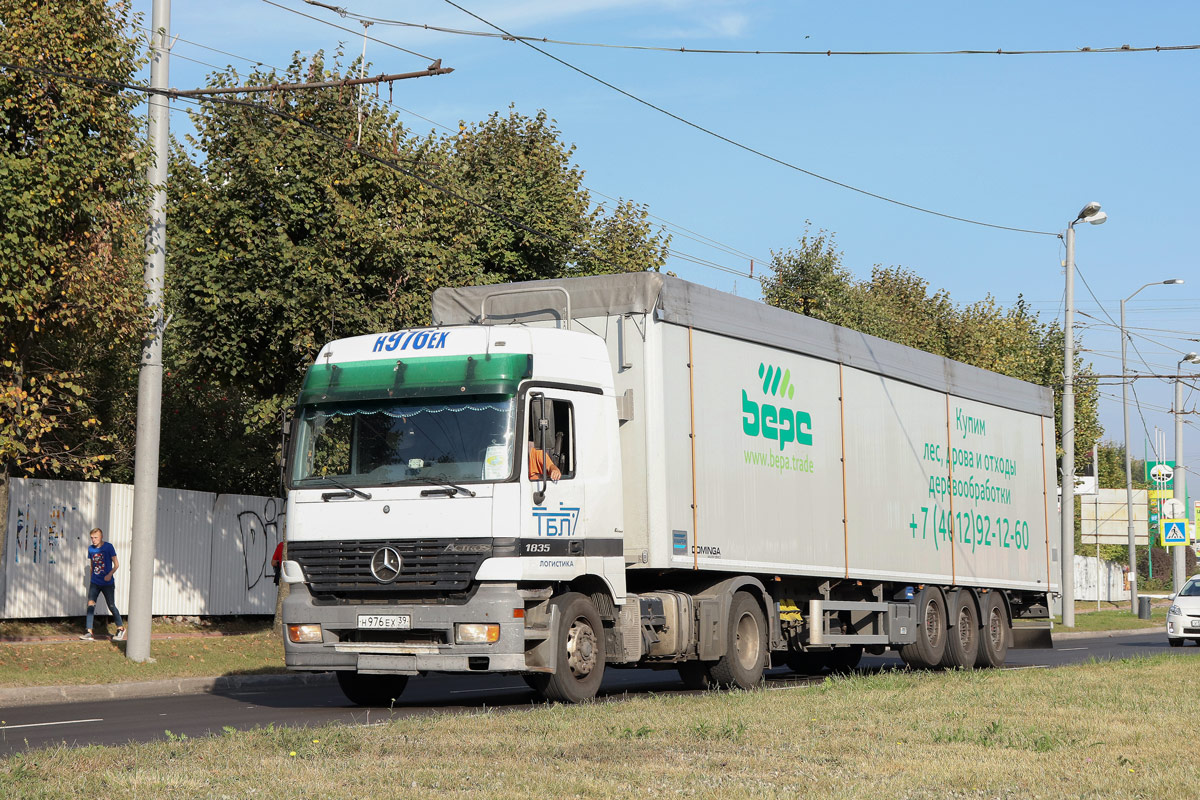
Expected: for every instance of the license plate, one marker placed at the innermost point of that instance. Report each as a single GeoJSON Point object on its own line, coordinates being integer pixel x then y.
{"type": "Point", "coordinates": [385, 621]}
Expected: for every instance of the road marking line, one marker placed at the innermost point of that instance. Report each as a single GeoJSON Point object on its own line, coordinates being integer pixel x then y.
{"type": "Point", "coordinates": [44, 724]}
{"type": "Point", "coordinates": [492, 689]}
{"type": "Point", "coordinates": [1065, 649]}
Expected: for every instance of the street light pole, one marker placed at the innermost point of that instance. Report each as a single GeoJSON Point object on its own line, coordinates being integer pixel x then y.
{"type": "Point", "coordinates": [1179, 563]}
{"type": "Point", "coordinates": [1128, 454]}
{"type": "Point", "coordinates": [1092, 214]}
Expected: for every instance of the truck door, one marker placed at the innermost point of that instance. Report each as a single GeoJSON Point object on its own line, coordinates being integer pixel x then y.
{"type": "Point", "coordinates": [554, 482]}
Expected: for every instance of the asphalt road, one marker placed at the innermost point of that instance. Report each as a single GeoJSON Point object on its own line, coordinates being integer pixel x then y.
{"type": "Point", "coordinates": [120, 721]}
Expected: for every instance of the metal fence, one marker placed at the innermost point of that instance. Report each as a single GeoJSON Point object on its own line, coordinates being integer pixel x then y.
{"type": "Point", "coordinates": [212, 555]}
{"type": "Point", "coordinates": [1095, 576]}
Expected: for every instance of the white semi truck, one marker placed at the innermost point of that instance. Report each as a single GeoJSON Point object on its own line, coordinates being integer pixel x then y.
{"type": "Point", "coordinates": [561, 477]}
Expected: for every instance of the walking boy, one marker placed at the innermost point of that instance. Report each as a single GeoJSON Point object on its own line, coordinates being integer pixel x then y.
{"type": "Point", "coordinates": [102, 563]}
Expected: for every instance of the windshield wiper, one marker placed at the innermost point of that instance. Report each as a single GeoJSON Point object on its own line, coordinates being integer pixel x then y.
{"type": "Point", "coordinates": [347, 491]}
{"type": "Point", "coordinates": [451, 489]}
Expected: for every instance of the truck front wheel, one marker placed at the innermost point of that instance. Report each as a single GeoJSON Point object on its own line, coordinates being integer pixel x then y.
{"type": "Point", "coordinates": [745, 645]}
{"type": "Point", "coordinates": [580, 664]}
{"type": "Point", "coordinates": [371, 690]}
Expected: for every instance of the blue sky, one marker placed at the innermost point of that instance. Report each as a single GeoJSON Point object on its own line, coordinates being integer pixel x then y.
{"type": "Point", "coordinates": [1020, 141]}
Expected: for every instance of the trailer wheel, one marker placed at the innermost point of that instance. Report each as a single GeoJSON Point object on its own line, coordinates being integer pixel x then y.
{"type": "Point", "coordinates": [962, 643]}
{"type": "Point", "coordinates": [996, 633]}
{"type": "Point", "coordinates": [580, 663]}
{"type": "Point", "coordinates": [745, 645]}
{"type": "Point", "coordinates": [371, 690]}
{"type": "Point", "coordinates": [926, 652]}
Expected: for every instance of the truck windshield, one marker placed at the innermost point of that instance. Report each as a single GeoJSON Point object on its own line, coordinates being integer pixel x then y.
{"type": "Point", "coordinates": [391, 442]}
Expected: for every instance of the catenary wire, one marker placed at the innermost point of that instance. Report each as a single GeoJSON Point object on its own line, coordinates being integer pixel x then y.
{"type": "Point", "coordinates": [388, 163]}
{"type": "Point", "coordinates": [745, 147]}
{"type": "Point", "coordinates": [362, 33]}
{"type": "Point", "coordinates": [670, 225]}
{"type": "Point", "coordinates": [711, 51]}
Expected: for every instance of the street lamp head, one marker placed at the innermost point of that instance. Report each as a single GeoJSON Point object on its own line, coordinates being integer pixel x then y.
{"type": "Point", "coordinates": [1096, 219]}
{"type": "Point", "coordinates": [1173, 281]}
{"type": "Point", "coordinates": [1191, 358]}
{"type": "Point", "coordinates": [1091, 209]}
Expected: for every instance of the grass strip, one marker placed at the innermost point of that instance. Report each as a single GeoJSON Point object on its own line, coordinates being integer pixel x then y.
{"type": "Point", "coordinates": [1115, 620]}
{"type": "Point", "coordinates": [1091, 731]}
{"type": "Point", "coordinates": [79, 663]}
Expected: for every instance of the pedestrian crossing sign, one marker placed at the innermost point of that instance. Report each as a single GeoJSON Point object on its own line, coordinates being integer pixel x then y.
{"type": "Point", "coordinates": [1174, 532]}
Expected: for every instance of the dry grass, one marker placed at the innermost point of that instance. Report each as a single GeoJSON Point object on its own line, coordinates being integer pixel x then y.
{"type": "Point", "coordinates": [1086, 731]}
{"type": "Point", "coordinates": [103, 661]}
{"type": "Point", "coordinates": [1108, 619]}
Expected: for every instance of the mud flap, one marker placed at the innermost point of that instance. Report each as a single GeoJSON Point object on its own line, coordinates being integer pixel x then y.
{"type": "Point", "coordinates": [1033, 635]}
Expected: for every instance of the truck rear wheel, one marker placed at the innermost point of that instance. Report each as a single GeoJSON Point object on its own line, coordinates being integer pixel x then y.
{"type": "Point", "coordinates": [996, 633]}
{"type": "Point", "coordinates": [962, 641]}
{"type": "Point", "coordinates": [745, 645]}
{"type": "Point", "coordinates": [580, 664]}
{"type": "Point", "coordinates": [926, 652]}
{"type": "Point", "coordinates": [371, 690]}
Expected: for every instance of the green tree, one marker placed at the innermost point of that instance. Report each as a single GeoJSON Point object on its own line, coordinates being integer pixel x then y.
{"type": "Point", "coordinates": [284, 238]}
{"type": "Point", "coordinates": [896, 304]}
{"type": "Point", "coordinates": [72, 164]}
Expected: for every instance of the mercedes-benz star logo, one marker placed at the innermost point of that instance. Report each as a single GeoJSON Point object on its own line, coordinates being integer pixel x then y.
{"type": "Point", "coordinates": [385, 564]}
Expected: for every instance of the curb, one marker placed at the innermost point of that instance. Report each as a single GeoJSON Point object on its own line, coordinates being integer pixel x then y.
{"type": "Point", "coordinates": [1159, 630]}
{"type": "Point", "coordinates": [50, 695]}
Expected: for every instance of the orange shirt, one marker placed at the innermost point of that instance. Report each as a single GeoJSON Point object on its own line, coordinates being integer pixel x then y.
{"type": "Point", "coordinates": [539, 463]}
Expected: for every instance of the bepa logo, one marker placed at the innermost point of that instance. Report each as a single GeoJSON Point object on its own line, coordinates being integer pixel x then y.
{"type": "Point", "coordinates": [772, 421]}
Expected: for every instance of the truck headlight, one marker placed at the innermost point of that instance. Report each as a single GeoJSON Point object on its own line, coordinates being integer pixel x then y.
{"type": "Point", "coordinates": [1175, 611]}
{"type": "Point", "coordinates": [476, 633]}
{"type": "Point", "coordinates": [304, 634]}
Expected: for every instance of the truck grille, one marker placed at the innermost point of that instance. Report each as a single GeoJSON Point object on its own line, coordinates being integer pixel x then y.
{"type": "Point", "coordinates": [427, 565]}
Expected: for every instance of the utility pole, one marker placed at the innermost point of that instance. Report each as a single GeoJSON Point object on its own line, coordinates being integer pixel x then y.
{"type": "Point", "coordinates": [1179, 573]}
{"type": "Point", "coordinates": [1067, 503]}
{"type": "Point", "coordinates": [1091, 214]}
{"type": "Point", "coordinates": [149, 410]}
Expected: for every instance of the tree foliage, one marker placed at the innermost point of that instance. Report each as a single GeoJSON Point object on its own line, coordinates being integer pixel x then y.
{"type": "Point", "coordinates": [284, 238]}
{"type": "Point", "coordinates": [72, 163]}
{"type": "Point", "coordinates": [896, 304]}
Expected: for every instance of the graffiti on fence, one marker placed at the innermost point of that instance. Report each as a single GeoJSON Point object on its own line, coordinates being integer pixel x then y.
{"type": "Point", "coordinates": [259, 535]}
{"type": "Point", "coordinates": [34, 543]}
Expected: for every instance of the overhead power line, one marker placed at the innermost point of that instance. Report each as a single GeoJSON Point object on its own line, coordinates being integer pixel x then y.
{"type": "Point", "coordinates": [349, 30]}
{"type": "Point", "coordinates": [510, 37]}
{"type": "Point", "coordinates": [388, 163]}
{"type": "Point", "coordinates": [740, 145]}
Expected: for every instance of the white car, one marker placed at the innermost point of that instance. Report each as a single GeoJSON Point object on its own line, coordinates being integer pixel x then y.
{"type": "Point", "coordinates": [1183, 618]}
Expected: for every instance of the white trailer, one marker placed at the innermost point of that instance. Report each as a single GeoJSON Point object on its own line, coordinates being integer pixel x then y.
{"type": "Point", "coordinates": [736, 484]}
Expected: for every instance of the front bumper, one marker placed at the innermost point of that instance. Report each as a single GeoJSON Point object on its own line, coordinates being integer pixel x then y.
{"type": "Point", "coordinates": [1183, 626]}
{"type": "Point", "coordinates": [427, 646]}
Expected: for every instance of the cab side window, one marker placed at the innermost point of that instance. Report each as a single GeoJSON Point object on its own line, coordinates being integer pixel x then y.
{"type": "Point", "coordinates": [559, 431]}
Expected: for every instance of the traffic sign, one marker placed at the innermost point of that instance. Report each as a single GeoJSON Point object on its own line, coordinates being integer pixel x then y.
{"type": "Point", "coordinates": [1174, 508]}
{"type": "Point", "coordinates": [1174, 532]}
{"type": "Point", "coordinates": [1160, 473]}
